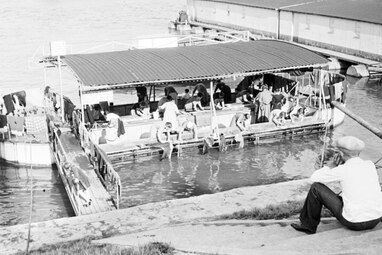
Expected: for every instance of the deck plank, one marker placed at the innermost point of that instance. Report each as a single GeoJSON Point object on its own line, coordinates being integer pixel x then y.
{"type": "Point", "coordinates": [96, 191]}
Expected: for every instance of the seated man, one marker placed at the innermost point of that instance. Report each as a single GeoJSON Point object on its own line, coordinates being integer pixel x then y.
{"type": "Point", "coordinates": [277, 116]}
{"type": "Point", "coordinates": [219, 100]}
{"type": "Point", "coordinates": [102, 138]}
{"type": "Point", "coordinates": [166, 129]}
{"type": "Point", "coordinates": [188, 126]}
{"type": "Point", "coordinates": [239, 120]}
{"type": "Point", "coordinates": [97, 113]}
{"type": "Point", "coordinates": [186, 95]}
{"type": "Point", "coordinates": [194, 103]}
{"type": "Point", "coordinates": [360, 205]}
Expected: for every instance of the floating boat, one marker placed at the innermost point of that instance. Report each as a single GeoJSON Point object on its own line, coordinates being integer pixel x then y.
{"type": "Point", "coordinates": [24, 130]}
{"type": "Point", "coordinates": [114, 82]}
{"type": "Point", "coordinates": [295, 70]}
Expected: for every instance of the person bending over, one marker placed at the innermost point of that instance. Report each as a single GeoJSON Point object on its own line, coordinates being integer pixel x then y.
{"type": "Point", "coordinates": [359, 207]}
{"type": "Point", "coordinates": [239, 120]}
{"type": "Point", "coordinates": [297, 114]}
{"type": "Point", "coordinates": [277, 116]}
{"type": "Point", "coordinates": [188, 126]}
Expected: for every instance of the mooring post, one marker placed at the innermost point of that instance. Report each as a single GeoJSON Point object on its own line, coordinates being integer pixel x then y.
{"type": "Point", "coordinates": [358, 119]}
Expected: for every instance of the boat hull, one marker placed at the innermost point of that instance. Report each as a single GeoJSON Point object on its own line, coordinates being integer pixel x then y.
{"type": "Point", "coordinates": [26, 153]}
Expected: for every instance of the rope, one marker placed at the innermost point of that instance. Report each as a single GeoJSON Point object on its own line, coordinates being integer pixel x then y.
{"type": "Point", "coordinates": [31, 199]}
{"type": "Point", "coordinates": [376, 162]}
{"type": "Point", "coordinates": [324, 146]}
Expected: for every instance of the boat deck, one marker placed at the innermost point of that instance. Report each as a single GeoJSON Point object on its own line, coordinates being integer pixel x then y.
{"type": "Point", "coordinates": [101, 199]}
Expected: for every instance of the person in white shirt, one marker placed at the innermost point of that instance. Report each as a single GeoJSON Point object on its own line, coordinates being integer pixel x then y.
{"type": "Point", "coordinates": [359, 206]}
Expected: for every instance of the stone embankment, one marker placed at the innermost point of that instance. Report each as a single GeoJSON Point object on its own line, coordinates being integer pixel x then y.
{"type": "Point", "coordinates": [149, 216]}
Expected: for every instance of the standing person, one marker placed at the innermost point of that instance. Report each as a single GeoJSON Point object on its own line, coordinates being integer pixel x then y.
{"type": "Point", "coordinates": [359, 207]}
{"type": "Point", "coordinates": [278, 99]}
{"type": "Point", "coordinates": [170, 111]}
{"type": "Point", "coordinates": [265, 99]}
{"type": "Point", "coordinates": [226, 90]}
{"type": "Point", "coordinates": [200, 88]}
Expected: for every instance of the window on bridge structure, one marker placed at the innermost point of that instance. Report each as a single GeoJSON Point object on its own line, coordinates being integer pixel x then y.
{"type": "Point", "coordinates": [307, 22]}
{"type": "Point", "coordinates": [357, 30]}
{"type": "Point", "coordinates": [331, 25]}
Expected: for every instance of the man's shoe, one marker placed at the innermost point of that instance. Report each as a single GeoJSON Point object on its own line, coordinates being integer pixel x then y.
{"type": "Point", "coordinates": [302, 228]}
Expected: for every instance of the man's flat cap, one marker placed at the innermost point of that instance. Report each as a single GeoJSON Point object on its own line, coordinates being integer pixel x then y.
{"type": "Point", "coordinates": [350, 144]}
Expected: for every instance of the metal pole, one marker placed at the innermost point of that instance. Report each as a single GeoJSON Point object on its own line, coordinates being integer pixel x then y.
{"type": "Point", "coordinates": [358, 119]}
{"type": "Point", "coordinates": [278, 24]}
{"type": "Point", "coordinates": [45, 79]}
{"type": "Point", "coordinates": [62, 94]}
{"type": "Point", "coordinates": [82, 105]}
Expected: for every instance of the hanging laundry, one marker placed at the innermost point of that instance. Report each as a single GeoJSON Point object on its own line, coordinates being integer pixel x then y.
{"type": "Point", "coordinates": [36, 124]}
{"type": "Point", "coordinates": [16, 124]}
{"type": "Point", "coordinates": [9, 103]}
{"type": "Point", "coordinates": [3, 121]}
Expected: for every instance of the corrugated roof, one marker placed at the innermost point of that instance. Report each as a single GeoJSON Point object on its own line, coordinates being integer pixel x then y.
{"type": "Point", "coordinates": [145, 66]}
{"type": "Point", "coordinates": [361, 10]}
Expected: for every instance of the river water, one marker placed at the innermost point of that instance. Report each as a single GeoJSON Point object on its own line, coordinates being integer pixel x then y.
{"type": "Point", "coordinates": [26, 29]}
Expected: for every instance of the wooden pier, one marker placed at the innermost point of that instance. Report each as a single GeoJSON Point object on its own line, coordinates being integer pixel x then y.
{"type": "Point", "coordinates": [256, 134]}
{"type": "Point", "coordinates": [67, 149]}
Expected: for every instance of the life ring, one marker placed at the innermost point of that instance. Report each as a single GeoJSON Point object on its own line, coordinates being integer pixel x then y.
{"type": "Point", "coordinates": [160, 134]}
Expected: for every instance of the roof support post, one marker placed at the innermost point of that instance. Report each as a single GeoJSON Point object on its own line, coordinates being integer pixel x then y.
{"type": "Point", "coordinates": [214, 125]}
{"type": "Point", "coordinates": [82, 105]}
{"type": "Point", "coordinates": [61, 92]}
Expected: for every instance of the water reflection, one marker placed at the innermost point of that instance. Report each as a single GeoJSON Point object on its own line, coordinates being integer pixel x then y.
{"type": "Point", "coordinates": [193, 174]}
{"type": "Point", "coordinates": [49, 196]}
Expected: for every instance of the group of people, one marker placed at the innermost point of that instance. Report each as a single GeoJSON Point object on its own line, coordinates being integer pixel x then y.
{"type": "Point", "coordinates": [271, 106]}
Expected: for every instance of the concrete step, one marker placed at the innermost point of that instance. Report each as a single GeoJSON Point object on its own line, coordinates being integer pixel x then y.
{"type": "Point", "coordinates": [331, 238]}
{"type": "Point", "coordinates": [255, 237]}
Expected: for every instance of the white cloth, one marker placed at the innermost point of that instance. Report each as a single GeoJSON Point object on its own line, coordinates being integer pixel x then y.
{"type": "Point", "coordinates": [111, 116]}
{"type": "Point", "coordinates": [361, 191]}
{"type": "Point", "coordinates": [170, 112]}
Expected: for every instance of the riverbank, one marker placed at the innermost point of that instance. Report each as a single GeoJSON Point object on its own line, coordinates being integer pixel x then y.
{"type": "Point", "coordinates": [150, 216]}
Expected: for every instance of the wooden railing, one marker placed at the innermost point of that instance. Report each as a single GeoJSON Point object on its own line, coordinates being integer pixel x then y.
{"type": "Point", "coordinates": [106, 173]}
{"type": "Point", "coordinates": [61, 158]}
{"type": "Point", "coordinates": [98, 158]}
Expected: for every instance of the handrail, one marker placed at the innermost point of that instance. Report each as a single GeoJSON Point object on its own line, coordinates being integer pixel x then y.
{"type": "Point", "coordinates": [61, 157]}
{"type": "Point", "coordinates": [98, 159]}
{"type": "Point", "coordinates": [106, 172]}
